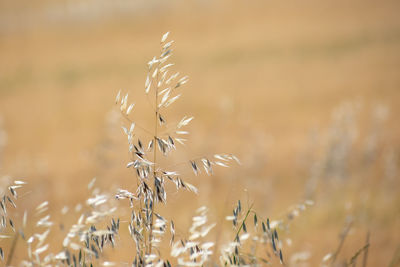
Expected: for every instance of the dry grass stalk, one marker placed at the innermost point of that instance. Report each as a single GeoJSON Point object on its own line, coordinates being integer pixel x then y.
{"type": "Point", "coordinates": [147, 228]}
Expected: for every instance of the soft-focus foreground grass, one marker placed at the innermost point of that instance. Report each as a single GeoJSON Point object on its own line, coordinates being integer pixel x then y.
{"type": "Point", "coordinates": [265, 78]}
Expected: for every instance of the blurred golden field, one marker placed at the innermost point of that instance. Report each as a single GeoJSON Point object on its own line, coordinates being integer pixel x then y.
{"type": "Point", "coordinates": [305, 93]}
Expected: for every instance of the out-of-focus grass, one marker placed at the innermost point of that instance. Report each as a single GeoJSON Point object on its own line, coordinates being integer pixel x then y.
{"type": "Point", "coordinates": [263, 76]}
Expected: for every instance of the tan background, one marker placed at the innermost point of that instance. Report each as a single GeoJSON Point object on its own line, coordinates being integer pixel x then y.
{"type": "Point", "coordinates": [265, 79]}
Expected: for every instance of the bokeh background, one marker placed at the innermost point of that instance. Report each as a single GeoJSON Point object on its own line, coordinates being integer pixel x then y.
{"type": "Point", "coordinates": [305, 93]}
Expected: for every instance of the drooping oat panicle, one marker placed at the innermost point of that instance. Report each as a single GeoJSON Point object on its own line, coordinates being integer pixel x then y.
{"type": "Point", "coordinates": [163, 88]}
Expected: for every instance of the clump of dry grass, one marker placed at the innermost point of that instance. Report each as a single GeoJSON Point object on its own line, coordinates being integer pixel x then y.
{"type": "Point", "coordinates": [86, 240]}
{"type": "Point", "coordinates": [253, 240]}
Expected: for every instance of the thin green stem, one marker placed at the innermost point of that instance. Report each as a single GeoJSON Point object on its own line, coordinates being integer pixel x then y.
{"type": "Point", "coordinates": [244, 220]}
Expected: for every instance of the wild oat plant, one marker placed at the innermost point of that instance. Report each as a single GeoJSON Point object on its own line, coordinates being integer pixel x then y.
{"type": "Point", "coordinates": [146, 226]}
